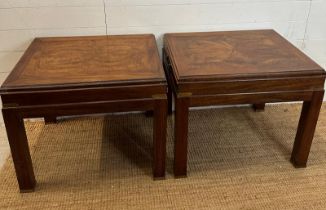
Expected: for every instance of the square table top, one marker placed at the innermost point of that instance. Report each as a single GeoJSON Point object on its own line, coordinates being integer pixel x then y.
{"type": "Point", "coordinates": [235, 54]}
{"type": "Point", "coordinates": [81, 61]}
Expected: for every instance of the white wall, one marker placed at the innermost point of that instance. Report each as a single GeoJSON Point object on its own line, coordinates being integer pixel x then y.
{"type": "Point", "coordinates": [303, 22]}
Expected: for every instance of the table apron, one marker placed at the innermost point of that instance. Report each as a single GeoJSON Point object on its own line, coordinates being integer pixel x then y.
{"type": "Point", "coordinates": [86, 108]}
{"type": "Point", "coordinates": [249, 98]}
{"type": "Point", "coordinates": [82, 95]}
{"type": "Point", "coordinates": [251, 86]}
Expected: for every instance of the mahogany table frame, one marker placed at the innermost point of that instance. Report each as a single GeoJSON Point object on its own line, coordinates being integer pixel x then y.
{"type": "Point", "coordinates": [82, 98]}
{"type": "Point", "coordinates": [81, 101]}
{"type": "Point", "coordinates": [257, 91]}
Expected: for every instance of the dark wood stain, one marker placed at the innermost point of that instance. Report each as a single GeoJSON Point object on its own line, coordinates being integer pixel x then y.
{"type": "Point", "coordinates": [99, 60]}
{"type": "Point", "coordinates": [240, 67]}
{"type": "Point", "coordinates": [235, 54]}
{"type": "Point", "coordinates": [79, 76]}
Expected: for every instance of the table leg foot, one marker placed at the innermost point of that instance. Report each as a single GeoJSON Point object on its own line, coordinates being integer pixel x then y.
{"type": "Point", "coordinates": [159, 137]}
{"type": "Point", "coordinates": [180, 176]}
{"type": "Point", "coordinates": [298, 165]}
{"type": "Point", "coordinates": [149, 113]}
{"type": "Point", "coordinates": [259, 107]}
{"type": "Point", "coordinates": [306, 129]}
{"type": "Point", "coordinates": [159, 178]}
{"type": "Point", "coordinates": [27, 190]}
{"type": "Point", "coordinates": [19, 150]}
{"type": "Point", "coordinates": [50, 120]}
{"type": "Point", "coordinates": [181, 136]}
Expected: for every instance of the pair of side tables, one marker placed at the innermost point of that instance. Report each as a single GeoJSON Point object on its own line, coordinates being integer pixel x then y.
{"type": "Point", "coordinates": [100, 74]}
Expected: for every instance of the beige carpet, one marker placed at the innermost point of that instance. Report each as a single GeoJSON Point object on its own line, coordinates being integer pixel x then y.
{"type": "Point", "coordinates": [238, 159]}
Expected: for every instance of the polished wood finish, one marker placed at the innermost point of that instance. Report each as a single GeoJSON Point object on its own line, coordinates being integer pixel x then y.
{"type": "Point", "coordinates": [235, 54]}
{"type": "Point", "coordinates": [181, 135]}
{"type": "Point", "coordinates": [240, 67]}
{"type": "Point", "coordinates": [306, 129]}
{"type": "Point", "coordinates": [100, 59]}
{"type": "Point", "coordinates": [160, 126]}
{"type": "Point", "coordinates": [19, 150]}
{"type": "Point", "coordinates": [79, 76]}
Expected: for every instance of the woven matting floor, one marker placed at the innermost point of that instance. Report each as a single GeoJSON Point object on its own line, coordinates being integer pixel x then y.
{"type": "Point", "coordinates": [237, 159]}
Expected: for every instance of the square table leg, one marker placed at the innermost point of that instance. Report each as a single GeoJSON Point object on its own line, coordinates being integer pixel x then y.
{"type": "Point", "coordinates": [159, 138]}
{"type": "Point", "coordinates": [181, 136]}
{"type": "Point", "coordinates": [19, 150]}
{"type": "Point", "coordinates": [306, 129]}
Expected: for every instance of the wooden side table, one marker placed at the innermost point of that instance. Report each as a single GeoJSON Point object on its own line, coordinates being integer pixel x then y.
{"type": "Point", "coordinates": [243, 67]}
{"type": "Point", "coordinates": [84, 75]}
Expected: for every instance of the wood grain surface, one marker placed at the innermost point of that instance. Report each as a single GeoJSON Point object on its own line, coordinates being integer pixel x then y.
{"type": "Point", "coordinates": [80, 76]}
{"type": "Point", "coordinates": [81, 60]}
{"type": "Point", "coordinates": [243, 54]}
{"type": "Point", "coordinates": [240, 67]}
